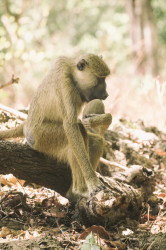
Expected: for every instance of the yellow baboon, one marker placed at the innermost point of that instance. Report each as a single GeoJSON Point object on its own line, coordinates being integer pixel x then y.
{"type": "Point", "coordinates": [52, 126]}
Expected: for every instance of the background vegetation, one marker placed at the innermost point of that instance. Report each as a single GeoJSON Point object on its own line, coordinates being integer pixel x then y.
{"type": "Point", "coordinates": [130, 34]}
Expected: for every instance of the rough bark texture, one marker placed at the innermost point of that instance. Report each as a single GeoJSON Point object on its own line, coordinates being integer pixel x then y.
{"type": "Point", "coordinates": [117, 201]}
{"type": "Point", "coordinates": [109, 206]}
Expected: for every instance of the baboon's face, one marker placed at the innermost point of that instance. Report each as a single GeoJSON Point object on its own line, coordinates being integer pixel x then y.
{"type": "Point", "coordinates": [91, 87]}
{"type": "Point", "coordinates": [97, 91]}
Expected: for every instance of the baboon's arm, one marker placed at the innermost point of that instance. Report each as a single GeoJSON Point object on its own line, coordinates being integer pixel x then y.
{"type": "Point", "coordinates": [77, 144]}
{"type": "Point", "coordinates": [75, 137]}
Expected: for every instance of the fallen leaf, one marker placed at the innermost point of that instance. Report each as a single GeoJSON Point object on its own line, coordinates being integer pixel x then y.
{"type": "Point", "coordinates": [10, 179]}
{"type": "Point", "coordinates": [95, 229]}
{"type": "Point", "coordinates": [162, 195]}
{"type": "Point", "coordinates": [149, 217]}
{"type": "Point", "coordinates": [160, 152]}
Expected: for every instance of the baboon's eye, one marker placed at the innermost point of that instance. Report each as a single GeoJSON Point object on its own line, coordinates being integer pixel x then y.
{"type": "Point", "coordinates": [81, 65]}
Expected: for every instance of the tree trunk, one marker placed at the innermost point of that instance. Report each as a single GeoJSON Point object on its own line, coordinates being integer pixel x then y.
{"type": "Point", "coordinates": [117, 201]}
{"type": "Point", "coordinates": [144, 36]}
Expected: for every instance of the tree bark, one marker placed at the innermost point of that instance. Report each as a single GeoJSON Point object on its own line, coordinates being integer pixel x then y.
{"type": "Point", "coordinates": [117, 201]}
{"type": "Point", "coordinates": [34, 167]}
{"type": "Point", "coordinates": [143, 35]}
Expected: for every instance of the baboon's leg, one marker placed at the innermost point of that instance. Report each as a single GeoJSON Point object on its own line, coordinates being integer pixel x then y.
{"type": "Point", "coordinates": [95, 148]}
{"type": "Point", "coordinates": [49, 138]}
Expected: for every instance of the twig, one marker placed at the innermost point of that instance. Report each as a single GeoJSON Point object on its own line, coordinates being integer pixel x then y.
{"type": "Point", "coordinates": [12, 81]}
{"type": "Point", "coordinates": [112, 163]}
{"type": "Point", "coordinates": [5, 196]}
{"type": "Point", "coordinates": [18, 114]}
{"type": "Point", "coordinates": [21, 195]}
{"type": "Point", "coordinates": [150, 246]}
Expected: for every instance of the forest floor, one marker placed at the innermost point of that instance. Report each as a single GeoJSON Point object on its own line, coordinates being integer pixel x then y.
{"type": "Point", "coordinates": [33, 217]}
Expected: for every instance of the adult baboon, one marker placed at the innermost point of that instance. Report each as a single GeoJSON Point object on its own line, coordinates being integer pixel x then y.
{"type": "Point", "coordinates": [52, 126]}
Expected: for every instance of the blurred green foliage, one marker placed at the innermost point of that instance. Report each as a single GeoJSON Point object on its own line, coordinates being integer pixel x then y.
{"type": "Point", "coordinates": [34, 32]}
{"type": "Point", "coordinates": [159, 8]}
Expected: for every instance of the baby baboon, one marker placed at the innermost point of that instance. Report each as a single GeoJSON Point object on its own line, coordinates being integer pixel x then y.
{"type": "Point", "coordinates": [52, 126]}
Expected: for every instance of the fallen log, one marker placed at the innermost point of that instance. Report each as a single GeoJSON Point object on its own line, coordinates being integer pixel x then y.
{"type": "Point", "coordinates": [117, 201]}
{"type": "Point", "coordinates": [34, 167]}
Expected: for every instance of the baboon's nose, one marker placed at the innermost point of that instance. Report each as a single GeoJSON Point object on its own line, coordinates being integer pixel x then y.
{"type": "Point", "coordinates": [105, 96]}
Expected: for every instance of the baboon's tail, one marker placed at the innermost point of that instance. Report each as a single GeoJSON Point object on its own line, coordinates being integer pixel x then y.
{"type": "Point", "coordinates": [12, 133]}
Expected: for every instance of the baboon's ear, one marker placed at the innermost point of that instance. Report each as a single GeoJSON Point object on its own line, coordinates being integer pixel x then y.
{"type": "Point", "coordinates": [81, 65]}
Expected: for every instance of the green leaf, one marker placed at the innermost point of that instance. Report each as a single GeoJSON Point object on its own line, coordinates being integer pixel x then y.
{"type": "Point", "coordinates": [90, 243]}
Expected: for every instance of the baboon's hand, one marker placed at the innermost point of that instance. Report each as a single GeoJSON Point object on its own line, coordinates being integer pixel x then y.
{"type": "Point", "coordinates": [96, 120]}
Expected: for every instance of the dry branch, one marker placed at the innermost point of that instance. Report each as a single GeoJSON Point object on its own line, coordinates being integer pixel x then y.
{"type": "Point", "coordinates": [112, 164]}
{"type": "Point", "coordinates": [18, 114]}
{"type": "Point", "coordinates": [12, 81]}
